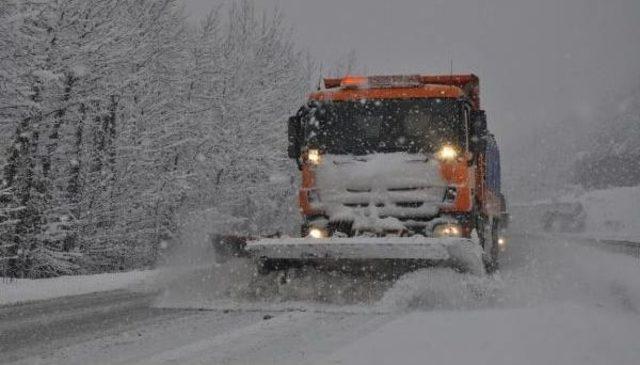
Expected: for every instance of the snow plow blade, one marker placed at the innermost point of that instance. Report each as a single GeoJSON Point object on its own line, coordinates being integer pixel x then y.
{"type": "Point", "coordinates": [398, 254]}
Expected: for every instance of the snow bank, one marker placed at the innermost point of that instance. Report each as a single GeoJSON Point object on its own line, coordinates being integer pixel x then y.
{"type": "Point", "coordinates": [438, 288]}
{"type": "Point", "coordinates": [25, 290]}
{"type": "Point", "coordinates": [177, 258]}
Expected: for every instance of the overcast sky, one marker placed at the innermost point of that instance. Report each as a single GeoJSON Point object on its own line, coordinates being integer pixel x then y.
{"type": "Point", "coordinates": [540, 61]}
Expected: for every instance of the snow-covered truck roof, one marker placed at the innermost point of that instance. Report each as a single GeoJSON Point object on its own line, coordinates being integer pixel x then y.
{"type": "Point", "coordinates": [400, 87]}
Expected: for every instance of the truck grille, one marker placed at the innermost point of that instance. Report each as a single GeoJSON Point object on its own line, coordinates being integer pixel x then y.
{"type": "Point", "coordinates": [410, 204]}
{"type": "Point", "coordinates": [370, 189]}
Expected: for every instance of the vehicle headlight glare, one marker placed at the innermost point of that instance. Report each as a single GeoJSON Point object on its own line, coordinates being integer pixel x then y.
{"type": "Point", "coordinates": [447, 230]}
{"type": "Point", "coordinates": [317, 233]}
{"type": "Point", "coordinates": [314, 156]}
{"type": "Point", "coordinates": [447, 153]}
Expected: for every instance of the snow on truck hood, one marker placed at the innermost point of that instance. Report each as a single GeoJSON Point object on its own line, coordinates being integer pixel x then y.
{"type": "Point", "coordinates": [376, 191]}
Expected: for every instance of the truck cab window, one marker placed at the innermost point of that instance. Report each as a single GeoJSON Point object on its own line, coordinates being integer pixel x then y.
{"type": "Point", "coordinates": [379, 126]}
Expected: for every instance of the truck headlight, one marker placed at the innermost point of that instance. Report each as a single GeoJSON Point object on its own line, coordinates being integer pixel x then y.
{"type": "Point", "coordinates": [317, 233]}
{"type": "Point", "coordinates": [447, 153]}
{"type": "Point", "coordinates": [447, 230]}
{"type": "Point", "coordinates": [314, 156]}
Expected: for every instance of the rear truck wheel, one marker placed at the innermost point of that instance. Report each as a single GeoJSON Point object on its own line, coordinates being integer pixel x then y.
{"type": "Point", "coordinates": [495, 246]}
{"type": "Point", "coordinates": [488, 233]}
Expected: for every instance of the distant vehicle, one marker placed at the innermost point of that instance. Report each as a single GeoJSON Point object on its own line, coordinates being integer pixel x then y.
{"type": "Point", "coordinates": [564, 218]}
{"type": "Point", "coordinates": [397, 171]}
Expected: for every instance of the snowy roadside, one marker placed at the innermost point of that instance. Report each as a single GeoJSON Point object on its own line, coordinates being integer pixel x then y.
{"type": "Point", "coordinates": [556, 301]}
{"type": "Point", "coordinates": [604, 215]}
{"type": "Point", "coordinates": [613, 238]}
{"type": "Point", "coordinates": [551, 334]}
{"type": "Point", "coordinates": [27, 290]}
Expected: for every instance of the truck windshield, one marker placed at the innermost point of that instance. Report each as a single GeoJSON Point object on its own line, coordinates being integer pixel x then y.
{"type": "Point", "coordinates": [398, 125]}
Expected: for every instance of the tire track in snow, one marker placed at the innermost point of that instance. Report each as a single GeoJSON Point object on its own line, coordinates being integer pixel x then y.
{"type": "Point", "coordinates": [289, 338]}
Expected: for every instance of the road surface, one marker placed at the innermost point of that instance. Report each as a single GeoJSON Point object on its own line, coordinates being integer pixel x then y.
{"type": "Point", "coordinates": [554, 301]}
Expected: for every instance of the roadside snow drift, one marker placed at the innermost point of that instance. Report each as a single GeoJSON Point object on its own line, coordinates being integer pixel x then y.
{"type": "Point", "coordinates": [26, 290]}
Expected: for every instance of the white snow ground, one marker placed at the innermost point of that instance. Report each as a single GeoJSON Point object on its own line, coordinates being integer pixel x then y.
{"type": "Point", "coordinates": [554, 302]}
{"type": "Point", "coordinates": [548, 334]}
{"type": "Point", "coordinates": [26, 290]}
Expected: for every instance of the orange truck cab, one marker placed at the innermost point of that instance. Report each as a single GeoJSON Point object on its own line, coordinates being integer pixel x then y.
{"type": "Point", "coordinates": [398, 156]}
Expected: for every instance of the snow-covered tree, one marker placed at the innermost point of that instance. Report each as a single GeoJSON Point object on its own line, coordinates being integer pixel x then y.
{"type": "Point", "coordinates": [25, 170]}
{"type": "Point", "coordinates": [86, 73]}
{"type": "Point", "coordinates": [120, 116]}
{"type": "Point", "coordinates": [249, 77]}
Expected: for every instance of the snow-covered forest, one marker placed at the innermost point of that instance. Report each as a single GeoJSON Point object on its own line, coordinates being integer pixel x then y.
{"type": "Point", "coordinates": [117, 116]}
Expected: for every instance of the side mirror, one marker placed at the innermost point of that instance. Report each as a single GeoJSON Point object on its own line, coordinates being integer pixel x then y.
{"type": "Point", "coordinates": [478, 131]}
{"type": "Point", "coordinates": [479, 122]}
{"type": "Point", "coordinates": [294, 135]}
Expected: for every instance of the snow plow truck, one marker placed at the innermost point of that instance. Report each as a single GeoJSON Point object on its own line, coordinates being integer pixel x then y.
{"type": "Point", "coordinates": [398, 173]}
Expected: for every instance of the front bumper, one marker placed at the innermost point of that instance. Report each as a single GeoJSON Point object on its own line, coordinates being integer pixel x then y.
{"type": "Point", "coordinates": [458, 252]}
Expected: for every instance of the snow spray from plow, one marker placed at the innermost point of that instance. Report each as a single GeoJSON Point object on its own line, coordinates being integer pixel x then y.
{"type": "Point", "coordinates": [235, 284]}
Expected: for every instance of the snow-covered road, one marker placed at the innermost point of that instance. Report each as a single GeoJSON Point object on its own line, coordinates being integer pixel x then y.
{"type": "Point", "coordinates": [554, 301]}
